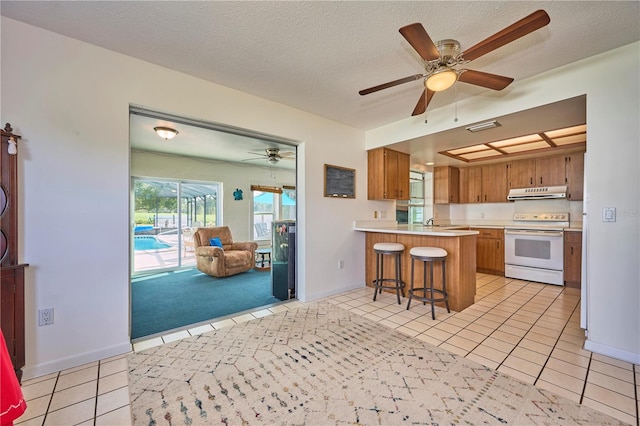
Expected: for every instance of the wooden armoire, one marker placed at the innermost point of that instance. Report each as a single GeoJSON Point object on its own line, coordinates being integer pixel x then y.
{"type": "Point", "coordinates": [12, 272]}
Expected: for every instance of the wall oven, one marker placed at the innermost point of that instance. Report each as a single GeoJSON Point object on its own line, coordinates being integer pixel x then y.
{"type": "Point", "coordinates": [534, 247]}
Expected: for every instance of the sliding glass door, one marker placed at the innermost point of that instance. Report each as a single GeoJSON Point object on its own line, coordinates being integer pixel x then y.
{"type": "Point", "coordinates": [165, 214]}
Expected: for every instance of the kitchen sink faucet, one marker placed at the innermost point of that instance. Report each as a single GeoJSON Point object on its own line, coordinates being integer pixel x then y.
{"type": "Point", "coordinates": [429, 222]}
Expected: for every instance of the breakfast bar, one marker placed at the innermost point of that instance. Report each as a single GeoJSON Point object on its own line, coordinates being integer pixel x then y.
{"type": "Point", "coordinates": [460, 245]}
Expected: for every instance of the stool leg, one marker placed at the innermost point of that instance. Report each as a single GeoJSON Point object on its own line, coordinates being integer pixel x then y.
{"type": "Point", "coordinates": [424, 281]}
{"type": "Point", "coordinates": [433, 310]}
{"type": "Point", "coordinates": [411, 289]}
{"type": "Point", "coordinates": [376, 281]}
{"type": "Point", "coordinates": [398, 277]}
{"type": "Point", "coordinates": [444, 286]}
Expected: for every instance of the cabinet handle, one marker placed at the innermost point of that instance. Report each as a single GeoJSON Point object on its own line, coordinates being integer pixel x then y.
{"type": "Point", "coordinates": [485, 197]}
{"type": "Point", "coordinates": [478, 198]}
{"type": "Point", "coordinates": [530, 181]}
{"type": "Point", "coordinates": [571, 251]}
{"type": "Point", "coordinates": [497, 244]}
{"type": "Point", "coordinates": [540, 180]}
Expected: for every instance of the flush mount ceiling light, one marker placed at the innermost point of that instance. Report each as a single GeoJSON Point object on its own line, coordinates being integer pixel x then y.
{"type": "Point", "coordinates": [441, 80]}
{"type": "Point", "coordinates": [483, 126]}
{"type": "Point", "coordinates": [166, 133]}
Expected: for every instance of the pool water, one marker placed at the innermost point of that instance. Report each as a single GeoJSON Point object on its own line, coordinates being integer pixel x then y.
{"type": "Point", "coordinates": [148, 242]}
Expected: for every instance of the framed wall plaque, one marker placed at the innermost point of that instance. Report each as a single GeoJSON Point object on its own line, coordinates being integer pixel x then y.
{"type": "Point", "coordinates": [339, 182]}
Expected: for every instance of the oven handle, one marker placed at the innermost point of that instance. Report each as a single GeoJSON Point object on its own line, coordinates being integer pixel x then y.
{"type": "Point", "coordinates": [534, 233]}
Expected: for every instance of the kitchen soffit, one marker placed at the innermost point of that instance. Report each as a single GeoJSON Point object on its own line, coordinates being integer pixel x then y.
{"type": "Point", "coordinates": [547, 141]}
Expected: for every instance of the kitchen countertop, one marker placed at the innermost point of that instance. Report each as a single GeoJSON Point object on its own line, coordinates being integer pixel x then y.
{"type": "Point", "coordinates": [437, 231]}
{"type": "Point", "coordinates": [386, 226]}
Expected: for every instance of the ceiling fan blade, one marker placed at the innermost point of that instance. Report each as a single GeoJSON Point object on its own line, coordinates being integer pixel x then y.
{"type": "Point", "coordinates": [423, 102]}
{"type": "Point", "coordinates": [390, 84]}
{"type": "Point", "coordinates": [526, 25]}
{"type": "Point", "coordinates": [484, 79]}
{"type": "Point", "coordinates": [418, 38]}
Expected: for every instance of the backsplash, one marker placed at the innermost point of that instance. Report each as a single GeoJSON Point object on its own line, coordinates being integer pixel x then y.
{"type": "Point", "coordinates": [502, 213]}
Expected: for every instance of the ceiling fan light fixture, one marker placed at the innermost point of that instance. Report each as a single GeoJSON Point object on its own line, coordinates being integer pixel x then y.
{"type": "Point", "coordinates": [166, 133]}
{"type": "Point", "coordinates": [441, 80]}
{"type": "Point", "coordinates": [273, 159]}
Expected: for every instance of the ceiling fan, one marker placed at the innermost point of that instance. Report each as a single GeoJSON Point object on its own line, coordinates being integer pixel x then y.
{"type": "Point", "coordinates": [442, 57]}
{"type": "Point", "coordinates": [272, 155]}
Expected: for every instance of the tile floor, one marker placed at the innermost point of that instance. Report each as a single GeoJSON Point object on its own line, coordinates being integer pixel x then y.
{"type": "Point", "coordinates": [527, 330]}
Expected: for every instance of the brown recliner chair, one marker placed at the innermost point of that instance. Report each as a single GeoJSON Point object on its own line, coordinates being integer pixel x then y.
{"type": "Point", "coordinates": [232, 258]}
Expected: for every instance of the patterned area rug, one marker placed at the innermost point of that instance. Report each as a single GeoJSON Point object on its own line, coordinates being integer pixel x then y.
{"type": "Point", "coordinates": [321, 365]}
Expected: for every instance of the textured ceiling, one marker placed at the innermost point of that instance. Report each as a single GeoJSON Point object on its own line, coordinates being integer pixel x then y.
{"type": "Point", "coordinates": [315, 56]}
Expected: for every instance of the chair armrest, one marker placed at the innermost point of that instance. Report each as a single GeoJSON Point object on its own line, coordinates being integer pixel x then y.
{"type": "Point", "coordinates": [209, 251]}
{"type": "Point", "coordinates": [248, 246]}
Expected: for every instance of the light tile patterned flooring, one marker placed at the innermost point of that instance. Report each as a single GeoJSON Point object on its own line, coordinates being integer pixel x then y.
{"type": "Point", "coordinates": [527, 330]}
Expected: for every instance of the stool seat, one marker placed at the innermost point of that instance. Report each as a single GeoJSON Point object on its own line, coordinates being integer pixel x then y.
{"type": "Point", "coordinates": [388, 247]}
{"type": "Point", "coordinates": [394, 250]}
{"type": "Point", "coordinates": [428, 252]}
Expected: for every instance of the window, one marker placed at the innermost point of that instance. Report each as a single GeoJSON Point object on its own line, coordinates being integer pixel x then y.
{"type": "Point", "coordinates": [165, 214]}
{"type": "Point", "coordinates": [269, 204]}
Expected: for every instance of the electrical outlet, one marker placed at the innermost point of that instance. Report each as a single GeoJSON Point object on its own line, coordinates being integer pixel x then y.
{"type": "Point", "coordinates": [608, 214]}
{"type": "Point", "coordinates": [45, 316]}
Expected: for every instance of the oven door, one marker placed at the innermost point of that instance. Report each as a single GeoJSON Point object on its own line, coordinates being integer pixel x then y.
{"type": "Point", "coordinates": [543, 249]}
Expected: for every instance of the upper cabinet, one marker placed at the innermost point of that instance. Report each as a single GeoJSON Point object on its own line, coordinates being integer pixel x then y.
{"type": "Point", "coordinates": [491, 183]}
{"type": "Point", "coordinates": [484, 184]}
{"type": "Point", "coordinates": [388, 175]}
{"type": "Point", "coordinates": [574, 173]}
{"type": "Point", "coordinates": [544, 171]}
{"type": "Point", "coordinates": [445, 185]}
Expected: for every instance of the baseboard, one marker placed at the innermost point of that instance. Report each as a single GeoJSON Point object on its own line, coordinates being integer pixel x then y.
{"type": "Point", "coordinates": [324, 294]}
{"type": "Point", "coordinates": [609, 351]}
{"type": "Point", "coordinates": [54, 366]}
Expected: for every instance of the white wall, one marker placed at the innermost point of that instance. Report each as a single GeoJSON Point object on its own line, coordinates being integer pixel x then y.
{"type": "Point", "coordinates": [612, 176]}
{"type": "Point", "coordinates": [236, 214]}
{"type": "Point", "coordinates": [70, 102]}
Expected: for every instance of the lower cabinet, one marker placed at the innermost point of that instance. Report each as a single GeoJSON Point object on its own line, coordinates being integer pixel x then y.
{"type": "Point", "coordinates": [572, 258]}
{"type": "Point", "coordinates": [490, 251]}
{"type": "Point", "coordinates": [12, 314]}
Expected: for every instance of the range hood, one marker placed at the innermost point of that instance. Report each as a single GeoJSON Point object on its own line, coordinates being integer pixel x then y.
{"type": "Point", "coordinates": [539, 193]}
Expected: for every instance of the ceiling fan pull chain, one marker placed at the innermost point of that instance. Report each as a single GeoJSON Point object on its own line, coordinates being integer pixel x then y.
{"type": "Point", "coordinates": [455, 102]}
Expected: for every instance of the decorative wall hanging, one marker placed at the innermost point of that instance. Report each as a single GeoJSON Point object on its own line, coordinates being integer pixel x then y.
{"type": "Point", "coordinates": [237, 194]}
{"type": "Point", "coordinates": [339, 182]}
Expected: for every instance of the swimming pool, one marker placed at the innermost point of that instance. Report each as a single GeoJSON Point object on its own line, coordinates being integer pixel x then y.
{"type": "Point", "coordinates": [148, 242]}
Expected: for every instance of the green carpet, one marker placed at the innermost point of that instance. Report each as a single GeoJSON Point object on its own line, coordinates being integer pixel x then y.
{"type": "Point", "coordinates": [165, 301]}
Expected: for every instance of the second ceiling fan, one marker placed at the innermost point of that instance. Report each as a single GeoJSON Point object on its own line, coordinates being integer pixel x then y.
{"type": "Point", "coordinates": [441, 58]}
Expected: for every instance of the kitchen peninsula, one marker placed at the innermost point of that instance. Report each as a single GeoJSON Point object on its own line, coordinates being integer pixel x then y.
{"type": "Point", "coordinates": [460, 245]}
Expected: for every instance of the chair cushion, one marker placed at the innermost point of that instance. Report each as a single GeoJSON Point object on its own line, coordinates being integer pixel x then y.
{"type": "Point", "coordinates": [215, 242]}
{"type": "Point", "coordinates": [428, 252]}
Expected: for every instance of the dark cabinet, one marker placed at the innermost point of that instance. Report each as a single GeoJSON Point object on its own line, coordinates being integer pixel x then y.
{"type": "Point", "coordinates": [11, 272]}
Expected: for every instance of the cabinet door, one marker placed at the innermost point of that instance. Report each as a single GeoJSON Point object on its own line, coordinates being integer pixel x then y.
{"type": "Point", "coordinates": [573, 258]}
{"type": "Point", "coordinates": [404, 166]}
{"type": "Point", "coordinates": [445, 185]}
{"type": "Point", "coordinates": [494, 183]}
{"type": "Point", "coordinates": [550, 171]}
{"type": "Point", "coordinates": [375, 174]}
{"type": "Point", "coordinates": [522, 173]}
{"type": "Point", "coordinates": [470, 185]}
{"type": "Point", "coordinates": [574, 173]}
{"type": "Point", "coordinates": [390, 174]}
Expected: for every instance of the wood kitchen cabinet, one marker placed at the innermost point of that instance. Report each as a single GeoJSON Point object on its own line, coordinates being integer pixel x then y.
{"type": "Point", "coordinates": [484, 184]}
{"type": "Point", "coordinates": [573, 259]}
{"type": "Point", "coordinates": [490, 251]}
{"type": "Point", "coordinates": [574, 176]}
{"type": "Point", "coordinates": [388, 175]}
{"type": "Point", "coordinates": [543, 171]}
{"type": "Point", "coordinates": [446, 185]}
{"type": "Point", "coordinates": [470, 185]}
{"type": "Point", "coordinates": [494, 183]}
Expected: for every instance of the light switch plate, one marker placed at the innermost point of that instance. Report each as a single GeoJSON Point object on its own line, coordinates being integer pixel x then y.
{"type": "Point", "coordinates": [608, 214]}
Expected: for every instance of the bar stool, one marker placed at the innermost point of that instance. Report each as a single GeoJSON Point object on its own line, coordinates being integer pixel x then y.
{"type": "Point", "coordinates": [383, 249]}
{"type": "Point", "coordinates": [429, 255]}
